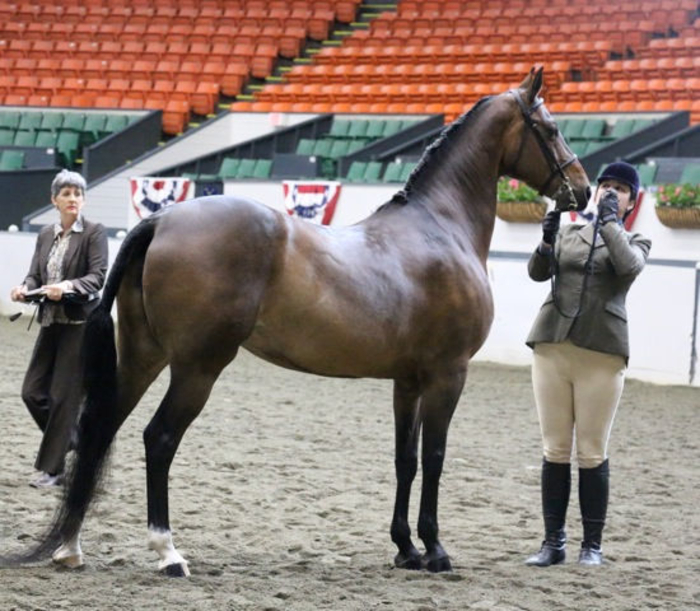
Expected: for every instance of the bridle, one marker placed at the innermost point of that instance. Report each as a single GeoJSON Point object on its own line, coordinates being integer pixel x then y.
{"type": "Point", "coordinates": [565, 191]}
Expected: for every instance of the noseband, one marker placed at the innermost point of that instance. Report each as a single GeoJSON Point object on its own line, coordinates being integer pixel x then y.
{"type": "Point", "coordinates": [565, 192]}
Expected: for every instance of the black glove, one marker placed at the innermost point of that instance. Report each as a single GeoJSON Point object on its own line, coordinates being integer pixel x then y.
{"type": "Point", "coordinates": [550, 226]}
{"type": "Point", "coordinates": [607, 207]}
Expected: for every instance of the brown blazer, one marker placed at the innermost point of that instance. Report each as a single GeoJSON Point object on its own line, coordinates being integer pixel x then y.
{"type": "Point", "coordinates": [85, 265]}
{"type": "Point", "coordinates": [618, 258]}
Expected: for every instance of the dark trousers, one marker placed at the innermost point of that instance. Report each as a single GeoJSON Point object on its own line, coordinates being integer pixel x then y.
{"type": "Point", "coordinates": [52, 391]}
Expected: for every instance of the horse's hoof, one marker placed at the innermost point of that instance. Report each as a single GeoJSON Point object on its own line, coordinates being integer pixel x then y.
{"type": "Point", "coordinates": [410, 562]}
{"type": "Point", "coordinates": [69, 555]}
{"type": "Point", "coordinates": [177, 570]}
{"type": "Point", "coordinates": [69, 561]}
{"type": "Point", "coordinates": [437, 563]}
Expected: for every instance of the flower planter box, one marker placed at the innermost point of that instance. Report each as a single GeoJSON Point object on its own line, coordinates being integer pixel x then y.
{"type": "Point", "coordinates": [521, 212]}
{"type": "Point", "coordinates": [679, 218]}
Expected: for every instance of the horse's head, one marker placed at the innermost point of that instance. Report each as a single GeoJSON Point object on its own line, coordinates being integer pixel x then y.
{"type": "Point", "coordinates": [537, 153]}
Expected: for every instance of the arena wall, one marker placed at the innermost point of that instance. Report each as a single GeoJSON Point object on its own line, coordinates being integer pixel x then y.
{"type": "Point", "coordinates": [662, 304]}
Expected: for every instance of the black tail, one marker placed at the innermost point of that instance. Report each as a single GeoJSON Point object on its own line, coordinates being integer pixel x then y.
{"type": "Point", "coordinates": [100, 419]}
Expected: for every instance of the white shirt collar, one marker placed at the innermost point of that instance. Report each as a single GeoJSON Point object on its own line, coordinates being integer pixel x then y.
{"type": "Point", "coordinates": [76, 227]}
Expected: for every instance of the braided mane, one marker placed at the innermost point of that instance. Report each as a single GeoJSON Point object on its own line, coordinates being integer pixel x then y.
{"type": "Point", "coordinates": [436, 151]}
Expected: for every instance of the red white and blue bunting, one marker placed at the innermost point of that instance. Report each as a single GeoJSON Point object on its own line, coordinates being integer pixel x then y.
{"type": "Point", "coordinates": [150, 194]}
{"type": "Point", "coordinates": [314, 201]}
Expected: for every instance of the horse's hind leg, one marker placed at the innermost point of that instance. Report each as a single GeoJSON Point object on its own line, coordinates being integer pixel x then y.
{"type": "Point", "coordinates": [140, 362]}
{"type": "Point", "coordinates": [188, 392]}
{"type": "Point", "coordinates": [407, 424]}
{"type": "Point", "coordinates": [438, 403]}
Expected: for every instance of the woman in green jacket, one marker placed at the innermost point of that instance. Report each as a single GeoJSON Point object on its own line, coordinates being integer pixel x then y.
{"type": "Point", "coordinates": [581, 349]}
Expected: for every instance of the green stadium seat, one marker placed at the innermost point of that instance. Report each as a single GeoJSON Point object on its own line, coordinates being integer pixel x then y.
{"type": "Point", "coordinates": [263, 168]}
{"type": "Point", "coordinates": [30, 120]}
{"type": "Point", "coordinates": [52, 121]}
{"type": "Point", "coordinates": [356, 172]}
{"type": "Point", "coordinates": [375, 129]}
{"type": "Point", "coordinates": [691, 174]}
{"type": "Point", "coordinates": [339, 128]}
{"type": "Point", "coordinates": [594, 145]}
{"type": "Point", "coordinates": [305, 146]}
{"type": "Point", "coordinates": [391, 127]}
{"type": "Point", "coordinates": [229, 167]}
{"type": "Point", "coordinates": [7, 136]}
{"type": "Point", "coordinates": [406, 123]}
{"type": "Point", "coordinates": [373, 171]}
{"type": "Point", "coordinates": [25, 137]}
{"type": "Point", "coordinates": [392, 173]}
{"type": "Point", "coordinates": [622, 128]}
{"type": "Point", "coordinates": [322, 148]}
{"type": "Point", "coordinates": [593, 128]}
{"type": "Point", "coordinates": [94, 127]}
{"type": "Point", "coordinates": [68, 145]}
{"type": "Point", "coordinates": [74, 121]}
{"type": "Point", "coordinates": [574, 127]}
{"type": "Point", "coordinates": [246, 168]}
{"type": "Point", "coordinates": [116, 123]}
{"type": "Point", "coordinates": [11, 160]}
{"type": "Point", "coordinates": [358, 128]}
{"type": "Point", "coordinates": [579, 147]}
{"type": "Point", "coordinates": [355, 145]}
{"type": "Point", "coordinates": [46, 139]}
{"type": "Point", "coordinates": [640, 124]}
{"type": "Point", "coordinates": [10, 118]}
{"type": "Point", "coordinates": [561, 124]}
{"type": "Point", "coordinates": [647, 173]}
{"type": "Point", "coordinates": [339, 148]}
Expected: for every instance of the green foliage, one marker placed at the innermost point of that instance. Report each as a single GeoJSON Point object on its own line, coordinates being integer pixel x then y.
{"type": "Point", "coordinates": [677, 195]}
{"type": "Point", "coordinates": [512, 190]}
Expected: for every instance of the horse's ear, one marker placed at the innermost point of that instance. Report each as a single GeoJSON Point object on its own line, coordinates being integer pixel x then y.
{"type": "Point", "coordinates": [525, 85]}
{"type": "Point", "coordinates": [536, 78]}
{"type": "Point", "coordinates": [532, 84]}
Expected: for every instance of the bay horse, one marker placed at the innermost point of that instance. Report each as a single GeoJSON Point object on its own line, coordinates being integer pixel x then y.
{"type": "Point", "coordinates": [402, 295]}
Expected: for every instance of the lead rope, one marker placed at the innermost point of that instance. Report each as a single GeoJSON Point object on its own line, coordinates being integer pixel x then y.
{"type": "Point", "coordinates": [587, 271]}
{"type": "Point", "coordinates": [36, 309]}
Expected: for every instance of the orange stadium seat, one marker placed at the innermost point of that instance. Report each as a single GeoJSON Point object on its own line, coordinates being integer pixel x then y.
{"type": "Point", "coordinates": [132, 50]}
{"type": "Point", "coordinates": [139, 89]}
{"type": "Point", "coordinates": [25, 66]}
{"type": "Point", "coordinates": [49, 85]}
{"type": "Point", "coordinates": [154, 50]}
{"type": "Point", "coordinates": [232, 81]}
{"type": "Point", "coordinates": [131, 103]}
{"type": "Point", "coordinates": [48, 67]}
{"type": "Point", "coordinates": [166, 70]}
{"type": "Point", "coordinates": [104, 101]}
{"type": "Point", "coordinates": [175, 116]}
{"type": "Point", "coordinates": [82, 101]}
{"type": "Point", "coordinates": [60, 100]}
{"type": "Point", "coordinates": [42, 49]}
{"type": "Point", "coordinates": [205, 98]}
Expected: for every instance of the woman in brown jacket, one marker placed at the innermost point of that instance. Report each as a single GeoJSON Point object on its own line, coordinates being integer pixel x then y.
{"type": "Point", "coordinates": [68, 269]}
{"type": "Point", "coordinates": [580, 343]}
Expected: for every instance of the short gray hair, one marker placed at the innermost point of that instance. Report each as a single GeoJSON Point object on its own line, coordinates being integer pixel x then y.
{"type": "Point", "coordinates": [66, 178]}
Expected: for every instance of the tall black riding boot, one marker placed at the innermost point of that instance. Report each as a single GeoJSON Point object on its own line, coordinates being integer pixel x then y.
{"type": "Point", "coordinates": [556, 486]}
{"type": "Point", "coordinates": [593, 491]}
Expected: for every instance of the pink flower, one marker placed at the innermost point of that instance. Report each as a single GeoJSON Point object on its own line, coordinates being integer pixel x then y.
{"type": "Point", "coordinates": [513, 184]}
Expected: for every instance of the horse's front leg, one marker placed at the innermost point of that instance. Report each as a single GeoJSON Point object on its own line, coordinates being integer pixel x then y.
{"type": "Point", "coordinates": [438, 403]}
{"type": "Point", "coordinates": [407, 423]}
{"type": "Point", "coordinates": [184, 400]}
